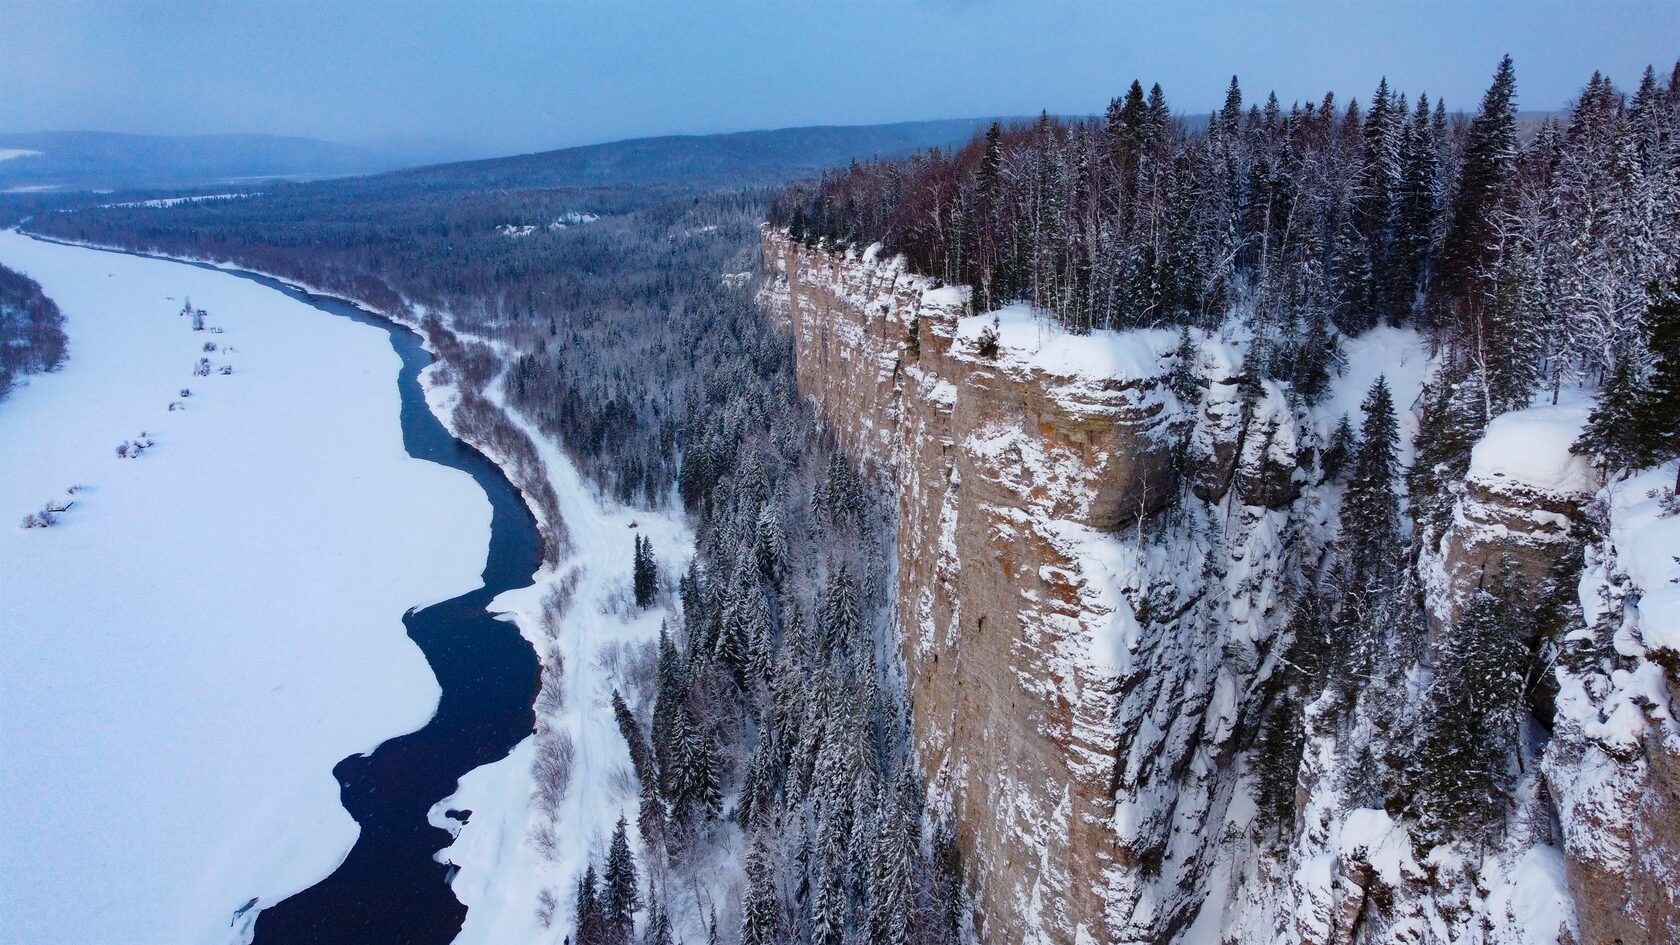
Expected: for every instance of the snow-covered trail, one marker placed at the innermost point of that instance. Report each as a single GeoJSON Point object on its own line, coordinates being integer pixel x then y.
{"type": "Point", "coordinates": [216, 623]}
{"type": "Point", "coordinates": [603, 634]}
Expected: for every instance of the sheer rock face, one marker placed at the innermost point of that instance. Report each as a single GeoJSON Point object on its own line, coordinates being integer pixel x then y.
{"type": "Point", "coordinates": [1002, 470]}
{"type": "Point", "coordinates": [1086, 665]}
{"type": "Point", "coordinates": [1493, 520]}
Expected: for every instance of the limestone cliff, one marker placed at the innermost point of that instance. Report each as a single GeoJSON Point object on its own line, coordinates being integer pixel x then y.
{"type": "Point", "coordinates": [1096, 552]}
{"type": "Point", "coordinates": [1048, 719]}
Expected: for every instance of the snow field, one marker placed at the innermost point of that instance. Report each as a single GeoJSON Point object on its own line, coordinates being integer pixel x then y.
{"type": "Point", "coordinates": [215, 623]}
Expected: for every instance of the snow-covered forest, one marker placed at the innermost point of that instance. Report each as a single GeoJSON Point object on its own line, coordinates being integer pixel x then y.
{"type": "Point", "coordinates": [31, 329]}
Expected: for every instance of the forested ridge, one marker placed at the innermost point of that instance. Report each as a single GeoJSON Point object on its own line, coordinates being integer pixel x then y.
{"type": "Point", "coordinates": [1317, 218]}
{"type": "Point", "coordinates": [1533, 262]}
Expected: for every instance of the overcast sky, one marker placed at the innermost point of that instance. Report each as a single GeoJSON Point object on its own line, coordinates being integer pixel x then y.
{"type": "Point", "coordinates": [502, 77]}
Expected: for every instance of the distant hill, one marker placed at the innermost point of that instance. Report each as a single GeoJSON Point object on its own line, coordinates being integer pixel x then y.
{"type": "Point", "coordinates": [99, 160]}
{"type": "Point", "coordinates": [741, 158]}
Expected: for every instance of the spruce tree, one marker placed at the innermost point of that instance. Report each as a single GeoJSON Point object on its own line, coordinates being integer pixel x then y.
{"type": "Point", "coordinates": [756, 790]}
{"type": "Point", "coordinates": [1315, 357]}
{"type": "Point", "coordinates": [591, 927]}
{"type": "Point", "coordinates": [1483, 182]}
{"type": "Point", "coordinates": [838, 620]}
{"type": "Point", "coordinates": [1417, 207]}
{"type": "Point", "coordinates": [620, 894]}
{"type": "Point", "coordinates": [1340, 449]}
{"type": "Point", "coordinates": [1370, 545]}
{"type": "Point", "coordinates": [828, 910]}
{"type": "Point", "coordinates": [671, 691]}
{"type": "Point", "coordinates": [1277, 759]}
{"type": "Point", "coordinates": [641, 756]}
{"type": "Point", "coordinates": [761, 908]}
{"type": "Point", "coordinates": [1656, 426]}
{"type": "Point", "coordinates": [1371, 511]}
{"type": "Point", "coordinates": [659, 924]}
{"type": "Point", "coordinates": [1228, 120]}
{"type": "Point", "coordinates": [1509, 343]}
{"type": "Point", "coordinates": [645, 572]}
{"type": "Point", "coordinates": [693, 783]}
{"type": "Point", "coordinates": [891, 893]}
{"type": "Point", "coordinates": [1452, 422]}
{"type": "Point", "coordinates": [650, 817]}
{"type": "Point", "coordinates": [1609, 436]}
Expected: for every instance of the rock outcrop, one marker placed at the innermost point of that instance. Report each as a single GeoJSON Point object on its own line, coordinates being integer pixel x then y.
{"type": "Point", "coordinates": [1006, 467]}
{"type": "Point", "coordinates": [1095, 558]}
{"type": "Point", "coordinates": [1613, 762]}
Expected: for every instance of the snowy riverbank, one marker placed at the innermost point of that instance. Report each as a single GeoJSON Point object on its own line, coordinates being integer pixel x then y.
{"type": "Point", "coordinates": [514, 853]}
{"type": "Point", "coordinates": [214, 624]}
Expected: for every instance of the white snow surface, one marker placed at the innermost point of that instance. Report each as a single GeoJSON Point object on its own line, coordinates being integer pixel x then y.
{"type": "Point", "coordinates": [215, 624]}
{"type": "Point", "coordinates": [164, 202]}
{"type": "Point", "coordinates": [1530, 448]}
{"type": "Point", "coordinates": [1036, 340]}
{"type": "Point", "coordinates": [7, 154]}
{"type": "Point", "coordinates": [1398, 355]}
{"type": "Point", "coordinates": [1648, 549]}
{"type": "Point", "coordinates": [602, 639]}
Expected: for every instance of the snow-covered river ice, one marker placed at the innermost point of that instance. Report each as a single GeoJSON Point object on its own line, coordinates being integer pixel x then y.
{"type": "Point", "coordinates": [216, 622]}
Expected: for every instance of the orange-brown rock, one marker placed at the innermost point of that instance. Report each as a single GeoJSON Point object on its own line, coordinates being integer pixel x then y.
{"type": "Point", "coordinates": [1001, 468]}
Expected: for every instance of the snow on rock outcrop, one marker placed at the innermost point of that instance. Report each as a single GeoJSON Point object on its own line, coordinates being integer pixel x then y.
{"type": "Point", "coordinates": [1078, 664]}
{"type": "Point", "coordinates": [1522, 500]}
{"type": "Point", "coordinates": [1088, 659]}
{"type": "Point", "coordinates": [1613, 763]}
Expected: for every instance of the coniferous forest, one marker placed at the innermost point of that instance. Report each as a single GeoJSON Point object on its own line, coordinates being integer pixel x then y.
{"type": "Point", "coordinates": [1525, 247]}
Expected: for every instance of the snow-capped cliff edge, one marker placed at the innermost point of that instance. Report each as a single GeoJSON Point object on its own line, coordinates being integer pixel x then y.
{"type": "Point", "coordinates": [1089, 661]}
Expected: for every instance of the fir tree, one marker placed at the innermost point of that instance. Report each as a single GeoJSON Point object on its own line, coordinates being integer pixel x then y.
{"type": "Point", "coordinates": [1484, 179]}
{"type": "Point", "coordinates": [620, 895]}
{"type": "Point", "coordinates": [645, 572]}
{"type": "Point", "coordinates": [761, 908]}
